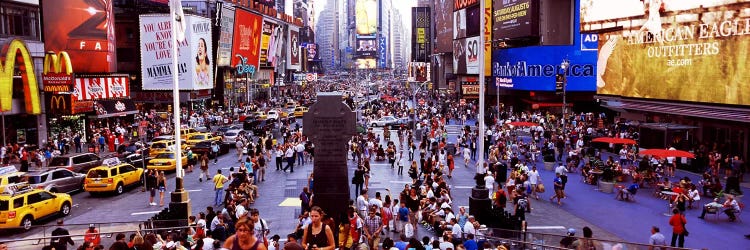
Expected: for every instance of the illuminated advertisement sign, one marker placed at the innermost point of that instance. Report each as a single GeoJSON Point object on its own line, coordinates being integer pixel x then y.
{"type": "Point", "coordinates": [515, 18]}
{"type": "Point", "coordinates": [293, 62]}
{"type": "Point", "coordinates": [421, 39]}
{"type": "Point", "coordinates": [58, 72]}
{"type": "Point", "coordinates": [246, 46]}
{"type": "Point", "coordinates": [89, 88]}
{"type": "Point", "coordinates": [523, 68]}
{"type": "Point", "coordinates": [443, 25]}
{"type": "Point", "coordinates": [365, 63]}
{"type": "Point", "coordinates": [382, 53]}
{"type": "Point", "coordinates": [226, 31]}
{"type": "Point", "coordinates": [193, 63]}
{"type": "Point", "coordinates": [466, 55]}
{"type": "Point", "coordinates": [83, 28]}
{"type": "Point", "coordinates": [366, 47]}
{"type": "Point", "coordinates": [418, 72]}
{"type": "Point", "coordinates": [366, 16]}
{"type": "Point", "coordinates": [460, 4]}
{"type": "Point", "coordinates": [664, 56]}
{"type": "Point", "coordinates": [17, 52]}
{"type": "Point", "coordinates": [312, 51]}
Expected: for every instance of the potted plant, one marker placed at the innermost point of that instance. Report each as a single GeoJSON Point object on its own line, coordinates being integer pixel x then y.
{"type": "Point", "coordinates": [607, 180]}
{"type": "Point", "coordinates": [548, 156]}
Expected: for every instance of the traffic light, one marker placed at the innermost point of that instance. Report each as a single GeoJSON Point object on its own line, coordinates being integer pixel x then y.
{"type": "Point", "coordinates": [559, 81]}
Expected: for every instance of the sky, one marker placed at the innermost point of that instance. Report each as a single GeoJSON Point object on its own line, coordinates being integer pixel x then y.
{"type": "Point", "coordinates": [403, 6]}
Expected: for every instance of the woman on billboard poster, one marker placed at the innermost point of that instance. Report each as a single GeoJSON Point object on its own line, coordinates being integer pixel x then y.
{"type": "Point", "coordinates": [202, 64]}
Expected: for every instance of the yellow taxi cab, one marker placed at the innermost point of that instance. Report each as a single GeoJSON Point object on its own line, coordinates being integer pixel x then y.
{"type": "Point", "coordinates": [164, 146]}
{"type": "Point", "coordinates": [199, 137]}
{"type": "Point", "coordinates": [9, 175]}
{"type": "Point", "coordinates": [299, 111]}
{"type": "Point", "coordinates": [283, 114]}
{"type": "Point", "coordinates": [166, 162]}
{"type": "Point", "coordinates": [21, 206]}
{"type": "Point", "coordinates": [290, 104]}
{"type": "Point", "coordinates": [260, 115]}
{"type": "Point", "coordinates": [113, 176]}
{"type": "Point", "coordinates": [187, 132]}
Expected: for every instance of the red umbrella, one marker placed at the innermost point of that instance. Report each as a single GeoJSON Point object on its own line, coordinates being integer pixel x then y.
{"type": "Point", "coordinates": [523, 124]}
{"type": "Point", "coordinates": [614, 140]}
{"type": "Point", "coordinates": [666, 153]}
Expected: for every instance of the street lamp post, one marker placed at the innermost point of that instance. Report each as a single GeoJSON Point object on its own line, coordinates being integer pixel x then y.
{"type": "Point", "coordinates": [564, 65]}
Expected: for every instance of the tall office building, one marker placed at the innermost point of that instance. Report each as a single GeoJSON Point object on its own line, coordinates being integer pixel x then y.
{"type": "Point", "coordinates": [327, 35]}
{"type": "Point", "coordinates": [399, 44]}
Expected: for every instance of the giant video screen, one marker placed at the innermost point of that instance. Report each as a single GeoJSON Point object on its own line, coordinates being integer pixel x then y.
{"type": "Point", "coordinates": [366, 16]}
{"type": "Point", "coordinates": [693, 51]}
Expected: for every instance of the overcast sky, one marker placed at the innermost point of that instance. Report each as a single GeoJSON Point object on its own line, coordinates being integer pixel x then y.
{"type": "Point", "coordinates": [403, 6]}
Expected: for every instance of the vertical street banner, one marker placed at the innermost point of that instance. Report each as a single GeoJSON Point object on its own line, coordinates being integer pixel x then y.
{"type": "Point", "coordinates": [246, 46]}
{"type": "Point", "coordinates": [266, 38]}
{"type": "Point", "coordinates": [293, 52]}
{"type": "Point", "coordinates": [224, 50]}
{"type": "Point", "coordinates": [443, 25]}
{"type": "Point", "coordinates": [194, 68]}
{"type": "Point", "coordinates": [85, 29]}
{"type": "Point", "coordinates": [487, 37]}
{"type": "Point", "coordinates": [382, 52]}
{"type": "Point", "coordinates": [421, 38]}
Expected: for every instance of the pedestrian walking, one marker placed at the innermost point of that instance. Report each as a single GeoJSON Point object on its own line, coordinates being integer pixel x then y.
{"type": "Point", "coordinates": [279, 158]}
{"type": "Point", "coordinates": [204, 168]}
{"type": "Point", "coordinates": [161, 184]}
{"type": "Point", "coordinates": [61, 237]}
{"type": "Point", "coordinates": [678, 221]}
{"type": "Point", "coordinates": [289, 154]}
{"type": "Point", "coordinates": [215, 151]}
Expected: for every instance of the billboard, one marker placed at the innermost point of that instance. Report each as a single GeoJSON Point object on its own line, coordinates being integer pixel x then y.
{"type": "Point", "coordinates": [365, 63]}
{"type": "Point", "coordinates": [293, 54]}
{"type": "Point", "coordinates": [459, 24]}
{"type": "Point", "coordinates": [523, 68]}
{"type": "Point", "coordinates": [226, 31]}
{"type": "Point", "coordinates": [686, 59]}
{"type": "Point", "coordinates": [382, 52]}
{"type": "Point", "coordinates": [246, 46]}
{"type": "Point", "coordinates": [443, 25]}
{"type": "Point", "coordinates": [466, 55]}
{"type": "Point", "coordinates": [366, 47]}
{"type": "Point", "coordinates": [312, 51]}
{"type": "Point", "coordinates": [472, 21]}
{"type": "Point", "coordinates": [418, 72]}
{"type": "Point", "coordinates": [421, 38]}
{"type": "Point", "coordinates": [515, 18]}
{"type": "Point", "coordinates": [266, 38]}
{"type": "Point", "coordinates": [461, 4]}
{"type": "Point", "coordinates": [194, 66]}
{"type": "Point", "coordinates": [89, 88]}
{"type": "Point", "coordinates": [83, 28]}
{"type": "Point", "coordinates": [366, 14]}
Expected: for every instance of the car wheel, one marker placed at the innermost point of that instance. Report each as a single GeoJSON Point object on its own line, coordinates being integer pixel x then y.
{"type": "Point", "coordinates": [119, 189]}
{"type": "Point", "coordinates": [374, 125]}
{"type": "Point", "coordinates": [27, 222]}
{"type": "Point", "coordinates": [65, 209]}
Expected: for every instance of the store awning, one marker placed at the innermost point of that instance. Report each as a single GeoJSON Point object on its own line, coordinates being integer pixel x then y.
{"type": "Point", "coordinates": [717, 112]}
{"type": "Point", "coordinates": [112, 108]}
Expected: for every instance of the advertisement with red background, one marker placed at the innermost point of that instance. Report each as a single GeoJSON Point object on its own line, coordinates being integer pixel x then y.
{"type": "Point", "coordinates": [83, 28]}
{"type": "Point", "coordinates": [101, 87]}
{"type": "Point", "coordinates": [247, 30]}
{"type": "Point", "coordinates": [294, 49]}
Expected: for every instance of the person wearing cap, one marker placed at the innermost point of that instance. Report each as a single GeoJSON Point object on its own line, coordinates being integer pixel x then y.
{"type": "Point", "coordinates": [569, 240]}
{"type": "Point", "coordinates": [92, 235]}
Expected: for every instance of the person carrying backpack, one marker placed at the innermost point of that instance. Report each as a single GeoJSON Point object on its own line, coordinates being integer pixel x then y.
{"type": "Point", "coordinates": [522, 204]}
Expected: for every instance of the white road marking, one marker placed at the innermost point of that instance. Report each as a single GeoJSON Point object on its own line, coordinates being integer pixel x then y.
{"type": "Point", "coordinates": [142, 213]}
{"type": "Point", "coordinates": [463, 187]}
{"type": "Point", "coordinates": [194, 190]}
{"type": "Point", "coordinates": [401, 182]}
{"type": "Point", "coordinates": [546, 227]}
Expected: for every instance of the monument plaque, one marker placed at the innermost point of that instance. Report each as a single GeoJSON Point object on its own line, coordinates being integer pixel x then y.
{"type": "Point", "coordinates": [330, 124]}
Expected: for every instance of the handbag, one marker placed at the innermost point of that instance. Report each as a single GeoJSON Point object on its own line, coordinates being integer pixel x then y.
{"type": "Point", "coordinates": [540, 188]}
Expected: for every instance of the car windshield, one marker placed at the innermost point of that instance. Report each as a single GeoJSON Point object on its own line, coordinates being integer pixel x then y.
{"type": "Point", "coordinates": [159, 145]}
{"type": "Point", "coordinates": [97, 173]}
{"type": "Point", "coordinates": [165, 156]}
{"type": "Point", "coordinates": [198, 137]}
{"type": "Point", "coordinates": [36, 179]}
{"type": "Point", "coordinates": [58, 161]}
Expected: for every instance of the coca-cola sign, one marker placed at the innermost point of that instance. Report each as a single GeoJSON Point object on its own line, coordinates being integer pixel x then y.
{"type": "Point", "coordinates": [101, 87]}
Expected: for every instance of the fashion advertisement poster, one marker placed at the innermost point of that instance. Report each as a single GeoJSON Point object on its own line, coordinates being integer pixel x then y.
{"type": "Point", "coordinates": [83, 28]}
{"type": "Point", "coordinates": [697, 60]}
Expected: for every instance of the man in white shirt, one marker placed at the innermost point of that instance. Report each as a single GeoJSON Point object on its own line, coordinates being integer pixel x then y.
{"type": "Point", "coordinates": [469, 226]}
{"type": "Point", "coordinates": [300, 148]}
{"type": "Point", "coordinates": [376, 201]}
{"type": "Point", "coordinates": [362, 203]}
{"type": "Point", "coordinates": [289, 154]}
{"type": "Point", "coordinates": [446, 243]}
{"type": "Point", "coordinates": [534, 178]}
{"type": "Point", "coordinates": [241, 209]}
{"type": "Point", "coordinates": [456, 230]}
{"type": "Point", "coordinates": [489, 182]}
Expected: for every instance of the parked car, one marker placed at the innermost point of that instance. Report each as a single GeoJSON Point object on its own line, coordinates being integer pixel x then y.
{"type": "Point", "coordinates": [26, 205]}
{"type": "Point", "coordinates": [204, 147]}
{"type": "Point", "coordinates": [384, 121]}
{"type": "Point", "coordinates": [79, 163]}
{"type": "Point", "coordinates": [161, 138]}
{"type": "Point", "coordinates": [58, 180]}
{"type": "Point", "coordinates": [199, 137]}
{"type": "Point", "coordinates": [230, 137]}
{"type": "Point", "coordinates": [299, 111]}
{"type": "Point", "coordinates": [166, 161]}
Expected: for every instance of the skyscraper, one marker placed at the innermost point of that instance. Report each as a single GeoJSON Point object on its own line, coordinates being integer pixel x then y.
{"type": "Point", "coordinates": [327, 35]}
